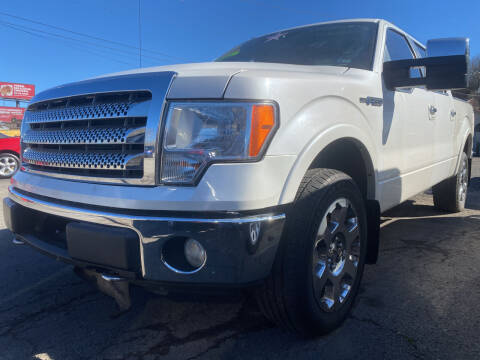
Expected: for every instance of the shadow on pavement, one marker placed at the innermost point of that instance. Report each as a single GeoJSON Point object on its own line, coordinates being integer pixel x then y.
{"type": "Point", "coordinates": [411, 209]}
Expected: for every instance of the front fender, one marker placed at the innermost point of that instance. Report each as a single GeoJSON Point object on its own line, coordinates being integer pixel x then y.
{"type": "Point", "coordinates": [316, 126]}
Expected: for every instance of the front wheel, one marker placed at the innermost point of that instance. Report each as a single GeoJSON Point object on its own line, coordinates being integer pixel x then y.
{"type": "Point", "coordinates": [9, 165]}
{"type": "Point", "coordinates": [320, 261]}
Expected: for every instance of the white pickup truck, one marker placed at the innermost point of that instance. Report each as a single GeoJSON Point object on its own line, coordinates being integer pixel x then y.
{"type": "Point", "coordinates": [266, 169]}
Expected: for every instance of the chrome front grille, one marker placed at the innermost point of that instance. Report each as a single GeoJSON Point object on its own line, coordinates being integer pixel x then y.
{"type": "Point", "coordinates": [99, 135]}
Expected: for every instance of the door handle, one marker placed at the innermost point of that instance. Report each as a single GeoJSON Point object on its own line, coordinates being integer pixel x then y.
{"type": "Point", "coordinates": [433, 110]}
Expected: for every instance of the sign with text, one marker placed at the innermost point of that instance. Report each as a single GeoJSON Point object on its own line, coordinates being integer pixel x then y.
{"type": "Point", "coordinates": [16, 91]}
{"type": "Point", "coordinates": [11, 114]}
{"type": "Point", "coordinates": [11, 120]}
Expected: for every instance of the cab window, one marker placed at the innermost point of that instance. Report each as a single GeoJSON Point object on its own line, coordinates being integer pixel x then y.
{"type": "Point", "coordinates": [397, 48]}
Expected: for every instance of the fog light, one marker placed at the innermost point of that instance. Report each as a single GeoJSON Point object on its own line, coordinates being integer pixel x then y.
{"type": "Point", "coordinates": [195, 253]}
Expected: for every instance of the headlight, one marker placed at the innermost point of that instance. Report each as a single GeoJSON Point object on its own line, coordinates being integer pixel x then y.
{"type": "Point", "coordinates": [197, 134]}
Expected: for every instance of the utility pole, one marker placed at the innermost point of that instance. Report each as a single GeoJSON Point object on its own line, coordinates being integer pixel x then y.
{"type": "Point", "coordinates": [139, 35]}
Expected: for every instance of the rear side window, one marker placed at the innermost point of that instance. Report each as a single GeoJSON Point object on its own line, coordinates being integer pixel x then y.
{"type": "Point", "coordinates": [421, 52]}
{"type": "Point", "coordinates": [397, 48]}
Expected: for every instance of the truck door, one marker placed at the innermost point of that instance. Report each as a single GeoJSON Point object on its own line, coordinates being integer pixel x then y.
{"type": "Point", "coordinates": [443, 116]}
{"type": "Point", "coordinates": [445, 145]}
{"type": "Point", "coordinates": [408, 154]}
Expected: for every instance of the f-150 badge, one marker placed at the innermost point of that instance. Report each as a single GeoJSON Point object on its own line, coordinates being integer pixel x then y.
{"type": "Point", "coordinates": [372, 101]}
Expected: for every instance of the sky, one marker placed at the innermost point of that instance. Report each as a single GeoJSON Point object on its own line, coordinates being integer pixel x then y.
{"type": "Point", "coordinates": [180, 31]}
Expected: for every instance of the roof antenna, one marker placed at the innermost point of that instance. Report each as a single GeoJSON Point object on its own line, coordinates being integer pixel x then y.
{"type": "Point", "coordinates": [139, 35]}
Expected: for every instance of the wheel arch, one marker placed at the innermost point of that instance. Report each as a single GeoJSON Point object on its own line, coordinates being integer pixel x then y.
{"type": "Point", "coordinates": [339, 148]}
{"type": "Point", "coordinates": [468, 148]}
{"type": "Point", "coordinates": [8, 151]}
{"type": "Point", "coordinates": [350, 156]}
{"type": "Point", "coordinates": [466, 145]}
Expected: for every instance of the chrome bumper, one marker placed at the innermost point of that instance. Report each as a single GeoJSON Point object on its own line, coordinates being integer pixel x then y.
{"type": "Point", "coordinates": [226, 238]}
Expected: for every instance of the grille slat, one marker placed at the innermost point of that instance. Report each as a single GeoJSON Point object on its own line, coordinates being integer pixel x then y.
{"type": "Point", "coordinates": [97, 111]}
{"type": "Point", "coordinates": [100, 135]}
{"type": "Point", "coordinates": [85, 136]}
{"type": "Point", "coordinates": [88, 160]}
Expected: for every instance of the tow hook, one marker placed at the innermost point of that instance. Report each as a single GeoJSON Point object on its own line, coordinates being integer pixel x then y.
{"type": "Point", "coordinates": [115, 286]}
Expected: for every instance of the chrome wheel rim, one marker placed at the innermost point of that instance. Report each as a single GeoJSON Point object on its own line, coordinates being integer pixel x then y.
{"type": "Point", "coordinates": [8, 165]}
{"type": "Point", "coordinates": [463, 181]}
{"type": "Point", "coordinates": [336, 255]}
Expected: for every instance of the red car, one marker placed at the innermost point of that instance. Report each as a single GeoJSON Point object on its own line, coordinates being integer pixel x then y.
{"type": "Point", "coordinates": [9, 156]}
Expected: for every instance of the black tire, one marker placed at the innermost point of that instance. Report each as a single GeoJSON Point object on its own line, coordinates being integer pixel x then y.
{"type": "Point", "coordinates": [289, 297]}
{"type": "Point", "coordinates": [9, 165]}
{"type": "Point", "coordinates": [450, 195]}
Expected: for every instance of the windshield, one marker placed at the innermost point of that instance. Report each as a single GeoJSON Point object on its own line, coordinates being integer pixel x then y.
{"type": "Point", "coordinates": [350, 44]}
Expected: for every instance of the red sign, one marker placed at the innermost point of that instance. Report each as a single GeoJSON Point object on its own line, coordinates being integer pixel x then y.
{"type": "Point", "coordinates": [11, 114]}
{"type": "Point", "coordinates": [16, 91]}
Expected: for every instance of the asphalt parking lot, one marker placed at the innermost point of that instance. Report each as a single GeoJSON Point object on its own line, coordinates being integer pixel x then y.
{"type": "Point", "coordinates": [420, 301]}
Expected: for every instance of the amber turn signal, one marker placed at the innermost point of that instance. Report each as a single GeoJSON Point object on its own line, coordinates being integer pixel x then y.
{"type": "Point", "coordinates": [263, 121]}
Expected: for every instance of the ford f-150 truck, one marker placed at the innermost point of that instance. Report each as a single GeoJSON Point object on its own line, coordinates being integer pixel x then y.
{"type": "Point", "coordinates": [266, 169]}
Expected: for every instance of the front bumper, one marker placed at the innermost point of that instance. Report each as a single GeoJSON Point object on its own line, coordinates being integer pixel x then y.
{"type": "Point", "coordinates": [132, 243]}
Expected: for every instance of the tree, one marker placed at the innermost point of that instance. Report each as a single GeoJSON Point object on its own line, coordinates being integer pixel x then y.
{"type": "Point", "coordinates": [474, 83]}
{"type": "Point", "coordinates": [472, 93]}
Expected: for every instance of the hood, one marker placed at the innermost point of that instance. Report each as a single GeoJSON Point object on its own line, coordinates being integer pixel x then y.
{"type": "Point", "coordinates": [230, 68]}
{"type": "Point", "coordinates": [209, 80]}
{"type": "Point", "coordinates": [191, 81]}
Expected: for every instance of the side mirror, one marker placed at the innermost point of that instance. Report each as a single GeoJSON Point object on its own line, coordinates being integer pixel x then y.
{"type": "Point", "coordinates": [446, 67]}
